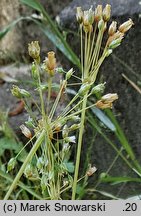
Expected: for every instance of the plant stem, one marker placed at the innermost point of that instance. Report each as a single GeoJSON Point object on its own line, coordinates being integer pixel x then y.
{"type": "Point", "coordinates": [49, 90]}
{"type": "Point", "coordinates": [27, 160]}
{"type": "Point", "coordinates": [79, 147]}
{"type": "Point", "coordinates": [81, 36]}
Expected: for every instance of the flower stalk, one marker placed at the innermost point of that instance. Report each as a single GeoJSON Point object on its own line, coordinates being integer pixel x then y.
{"type": "Point", "coordinates": [92, 62]}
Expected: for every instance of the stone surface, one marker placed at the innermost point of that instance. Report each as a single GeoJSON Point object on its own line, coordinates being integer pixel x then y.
{"type": "Point", "coordinates": [14, 45]}
{"type": "Point", "coordinates": [125, 59]}
{"type": "Point", "coordinates": [119, 8]}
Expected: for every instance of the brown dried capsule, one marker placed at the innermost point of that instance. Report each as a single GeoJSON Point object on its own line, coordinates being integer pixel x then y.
{"type": "Point", "coordinates": [126, 26]}
{"type": "Point", "coordinates": [34, 50]}
{"type": "Point", "coordinates": [26, 131]}
{"type": "Point", "coordinates": [91, 171]}
{"type": "Point", "coordinates": [106, 13]}
{"type": "Point", "coordinates": [112, 28]}
{"type": "Point", "coordinates": [98, 13]}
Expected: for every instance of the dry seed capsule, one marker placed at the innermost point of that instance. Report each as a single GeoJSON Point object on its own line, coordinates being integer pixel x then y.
{"type": "Point", "coordinates": [98, 13]}
{"type": "Point", "coordinates": [50, 63]}
{"type": "Point", "coordinates": [101, 105]}
{"type": "Point", "coordinates": [79, 15]}
{"type": "Point", "coordinates": [126, 26]}
{"type": "Point", "coordinates": [34, 50]}
{"type": "Point", "coordinates": [86, 18]}
{"type": "Point", "coordinates": [112, 28]}
{"type": "Point", "coordinates": [91, 16]}
{"type": "Point", "coordinates": [107, 13]}
{"type": "Point", "coordinates": [109, 97]}
{"type": "Point", "coordinates": [87, 26]}
{"type": "Point", "coordinates": [91, 171]}
{"type": "Point", "coordinates": [26, 131]}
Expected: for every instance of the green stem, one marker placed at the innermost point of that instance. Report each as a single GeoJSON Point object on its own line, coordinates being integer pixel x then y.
{"type": "Point", "coordinates": [27, 160]}
{"type": "Point", "coordinates": [49, 90]}
{"type": "Point", "coordinates": [79, 147]}
{"type": "Point", "coordinates": [81, 36]}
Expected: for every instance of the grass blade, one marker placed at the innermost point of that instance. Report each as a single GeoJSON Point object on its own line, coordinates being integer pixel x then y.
{"type": "Point", "coordinates": [9, 27]}
{"type": "Point", "coordinates": [122, 138]}
{"type": "Point", "coordinates": [120, 179]}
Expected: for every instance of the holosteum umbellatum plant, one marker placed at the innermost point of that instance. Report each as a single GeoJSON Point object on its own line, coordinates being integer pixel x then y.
{"type": "Point", "coordinates": [51, 151]}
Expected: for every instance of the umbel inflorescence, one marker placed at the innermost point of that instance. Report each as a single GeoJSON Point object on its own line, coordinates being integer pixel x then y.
{"type": "Point", "coordinates": [48, 161]}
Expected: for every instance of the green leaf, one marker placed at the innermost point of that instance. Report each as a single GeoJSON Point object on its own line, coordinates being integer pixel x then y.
{"type": "Point", "coordinates": [11, 144]}
{"type": "Point", "coordinates": [123, 140]}
{"type": "Point", "coordinates": [6, 143]}
{"type": "Point", "coordinates": [33, 3]}
{"type": "Point", "coordinates": [103, 118]}
{"type": "Point", "coordinates": [9, 27]}
{"type": "Point", "coordinates": [106, 194]}
{"type": "Point", "coordinates": [118, 180]}
{"type": "Point", "coordinates": [70, 167]}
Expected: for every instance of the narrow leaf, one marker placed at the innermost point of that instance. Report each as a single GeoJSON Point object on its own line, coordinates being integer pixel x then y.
{"type": "Point", "coordinates": [5, 30]}
{"type": "Point", "coordinates": [34, 4]}
{"type": "Point", "coordinates": [118, 180]}
{"type": "Point", "coordinates": [103, 118]}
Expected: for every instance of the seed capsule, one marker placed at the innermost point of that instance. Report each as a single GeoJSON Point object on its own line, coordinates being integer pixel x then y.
{"type": "Point", "coordinates": [34, 50]}
{"type": "Point", "coordinates": [84, 89]}
{"type": "Point", "coordinates": [98, 13]}
{"type": "Point", "coordinates": [11, 164]}
{"type": "Point", "coordinates": [91, 171]}
{"type": "Point", "coordinates": [107, 13]}
{"type": "Point", "coordinates": [50, 63]}
{"type": "Point", "coordinates": [109, 97]}
{"type": "Point", "coordinates": [126, 26]}
{"type": "Point", "coordinates": [69, 74]}
{"type": "Point", "coordinates": [98, 88]}
{"type": "Point", "coordinates": [79, 15]}
{"type": "Point", "coordinates": [112, 28]}
{"type": "Point", "coordinates": [26, 131]}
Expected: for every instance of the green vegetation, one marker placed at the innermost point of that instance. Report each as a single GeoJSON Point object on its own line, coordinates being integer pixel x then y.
{"type": "Point", "coordinates": [47, 168]}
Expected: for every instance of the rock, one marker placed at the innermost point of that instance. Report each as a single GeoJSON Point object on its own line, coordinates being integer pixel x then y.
{"type": "Point", "coordinates": [125, 59]}
{"type": "Point", "coordinates": [13, 46]}
{"type": "Point", "coordinates": [119, 8]}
